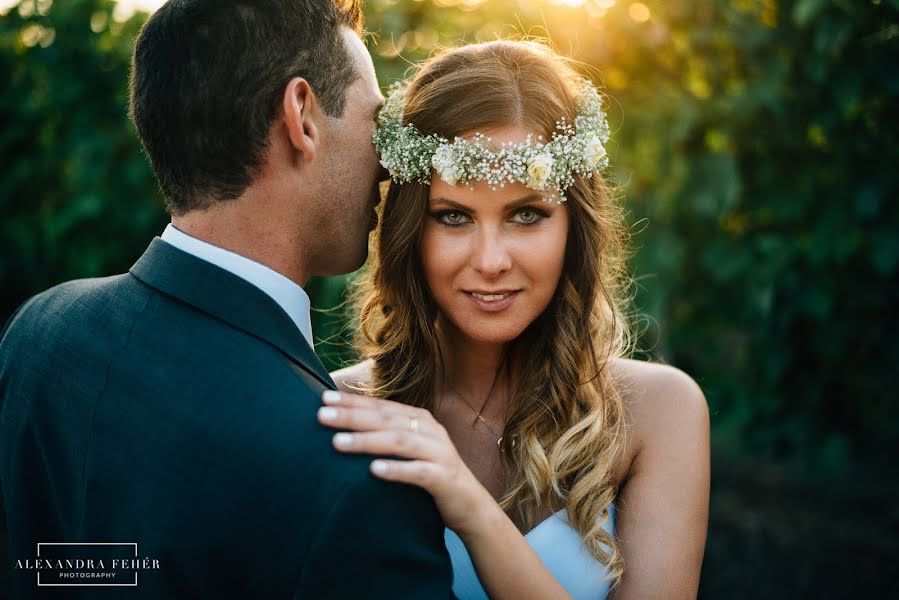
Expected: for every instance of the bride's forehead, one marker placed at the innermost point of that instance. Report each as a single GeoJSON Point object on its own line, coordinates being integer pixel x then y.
{"type": "Point", "coordinates": [478, 196]}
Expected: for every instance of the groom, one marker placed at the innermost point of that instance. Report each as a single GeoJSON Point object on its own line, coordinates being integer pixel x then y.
{"type": "Point", "coordinates": [169, 413]}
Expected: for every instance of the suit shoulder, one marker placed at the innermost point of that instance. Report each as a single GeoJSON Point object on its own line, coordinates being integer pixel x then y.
{"type": "Point", "coordinates": [81, 293]}
{"type": "Point", "coordinates": [412, 554]}
{"type": "Point", "coordinates": [55, 308]}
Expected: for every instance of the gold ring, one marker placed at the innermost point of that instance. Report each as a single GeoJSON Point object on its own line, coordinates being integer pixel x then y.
{"type": "Point", "coordinates": [413, 424]}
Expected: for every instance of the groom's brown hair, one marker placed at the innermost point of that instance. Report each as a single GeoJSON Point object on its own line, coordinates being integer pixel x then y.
{"type": "Point", "coordinates": [208, 75]}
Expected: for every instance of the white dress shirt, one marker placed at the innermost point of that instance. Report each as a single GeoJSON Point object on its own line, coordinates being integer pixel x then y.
{"type": "Point", "coordinates": [289, 296]}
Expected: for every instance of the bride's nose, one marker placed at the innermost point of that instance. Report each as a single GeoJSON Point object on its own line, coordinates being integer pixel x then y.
{"type": "Point", "coordinates": [490, 253]}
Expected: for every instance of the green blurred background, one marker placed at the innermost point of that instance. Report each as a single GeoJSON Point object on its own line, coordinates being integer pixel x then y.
{"type": "Point", "coordinates": [759, 166]}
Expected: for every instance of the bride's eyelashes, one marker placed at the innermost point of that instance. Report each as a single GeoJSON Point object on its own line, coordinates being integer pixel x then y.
{"type": "Point", "coordinates": [450, 218]}
{"type": "Point", "coordinates": [530, 215]}
{"type": "Point", "coordinates": [526, 216]}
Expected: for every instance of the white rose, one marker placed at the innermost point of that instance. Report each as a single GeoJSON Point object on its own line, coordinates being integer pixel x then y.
{"type": "Point", "coordinates": [595, 151]}
{"type": "Point", "coordinates": [450, 174]}
{"type": "Point", "coordinates": [539, 170]}
{"type": "Point", "coordinates": [445, 165]}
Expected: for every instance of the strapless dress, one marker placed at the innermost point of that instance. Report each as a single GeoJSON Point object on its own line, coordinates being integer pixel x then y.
{"type": "Point", "coordinates": [560, 548]}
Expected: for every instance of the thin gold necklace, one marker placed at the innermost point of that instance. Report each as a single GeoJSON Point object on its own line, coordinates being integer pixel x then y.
{"type": "Point", "coordinates": [477, 413]}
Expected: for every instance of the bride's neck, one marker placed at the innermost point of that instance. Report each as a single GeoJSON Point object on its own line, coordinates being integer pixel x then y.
{"type": "Point", "coordinates": [473, 368]}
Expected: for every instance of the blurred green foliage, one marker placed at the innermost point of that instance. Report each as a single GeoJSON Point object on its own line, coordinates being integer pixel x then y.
{"type": "Point", "coordinates": [77, 197]}
{"type": "Point", "coordinates": [753, 145]}
{"type": "Point", "coordinates": [756, 156]}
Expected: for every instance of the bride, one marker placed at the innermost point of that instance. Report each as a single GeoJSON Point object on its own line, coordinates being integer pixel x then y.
{"type": "Point", "coordinates": [494, 341]}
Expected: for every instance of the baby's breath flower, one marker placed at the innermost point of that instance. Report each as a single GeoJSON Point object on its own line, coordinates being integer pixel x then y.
{"type": "Point", "coordinates": [574, 148]}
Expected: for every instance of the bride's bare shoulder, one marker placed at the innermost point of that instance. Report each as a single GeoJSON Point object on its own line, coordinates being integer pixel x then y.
{"type": "Point", "coordinates": [653, 391]}
{"type": "Point", "coordinates": [660, 402]}
{"type": "Point", "coordinates": [349, 379]}
{"type": "Point", "coordinates": [643, 381]}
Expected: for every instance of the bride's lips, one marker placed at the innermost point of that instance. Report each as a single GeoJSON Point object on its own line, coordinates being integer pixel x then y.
{"type": "Point", "coordinates": [492, 301]}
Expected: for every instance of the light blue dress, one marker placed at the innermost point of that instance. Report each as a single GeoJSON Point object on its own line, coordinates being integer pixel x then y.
{"type": "Point", "coordinates": [560, 548]}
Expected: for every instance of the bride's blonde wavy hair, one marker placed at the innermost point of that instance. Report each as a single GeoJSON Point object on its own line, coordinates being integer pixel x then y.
{"type": "Point", "coordinates": [564, 412]}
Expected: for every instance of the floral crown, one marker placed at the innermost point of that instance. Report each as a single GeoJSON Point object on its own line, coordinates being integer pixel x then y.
{"type": "Point", "coordinates": [577, 147]}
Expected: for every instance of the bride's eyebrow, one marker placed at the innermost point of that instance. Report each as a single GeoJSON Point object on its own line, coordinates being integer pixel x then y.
{"type": "Point", "coordinates": [508, 207]}
{"type": "Point", "coordinates": [452, 204]}
{"type": "Point", "coordinates": [522, 201]}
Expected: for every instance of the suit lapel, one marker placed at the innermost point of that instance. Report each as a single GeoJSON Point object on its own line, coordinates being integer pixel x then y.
{"type": "Point", "coordinates": [228, 297]}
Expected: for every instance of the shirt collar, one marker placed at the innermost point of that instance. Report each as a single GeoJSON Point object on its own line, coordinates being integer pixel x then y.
{"type": "Point", "coordinates": [290, 297]}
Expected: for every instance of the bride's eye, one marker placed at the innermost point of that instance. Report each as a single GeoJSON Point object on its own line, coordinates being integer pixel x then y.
{"type": "Point", "coordinates": [450, 218]}
{"type": "Point", "coordinates": [528, 216]}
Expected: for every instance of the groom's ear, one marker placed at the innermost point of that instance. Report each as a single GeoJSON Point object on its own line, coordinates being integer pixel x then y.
{"type": "Point", "coordinates": [300, 112]}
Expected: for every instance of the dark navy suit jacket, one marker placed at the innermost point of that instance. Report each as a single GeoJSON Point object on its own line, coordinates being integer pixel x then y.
{"type": "Point", "coordinates": [174, 406]}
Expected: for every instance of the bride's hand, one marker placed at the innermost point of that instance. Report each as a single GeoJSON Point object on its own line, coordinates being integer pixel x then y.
{"type": "Point", "coordinates": [390, 428]}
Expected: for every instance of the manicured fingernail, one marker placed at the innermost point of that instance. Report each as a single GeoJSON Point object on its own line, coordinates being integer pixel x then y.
{"type": "Point", "coordinates": [343, 439]}
{"type": "Point", "coordinates": [379, 467]}
{"type": "Point", "coordinates": [327, 413]}
{"type": "Point", "coordinates": [330, 397]}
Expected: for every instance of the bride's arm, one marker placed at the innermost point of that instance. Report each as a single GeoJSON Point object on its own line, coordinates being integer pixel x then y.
{"type": "Point", "coordinates": [506, 564]}
{"type": "Point", "coordinates": [662, 509]}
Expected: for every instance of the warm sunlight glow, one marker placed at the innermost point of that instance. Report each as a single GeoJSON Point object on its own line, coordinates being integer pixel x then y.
{"type": "Point", "coordinates": [123, 9]}
{"type": "Point", "coordinates": [6, 5]}
{"type": "Point", "coordinates": [639, 12]}
{"type": "Point", "coordinates": [126, 8]}
{"type": "Point", "coordinates": [573, 3]}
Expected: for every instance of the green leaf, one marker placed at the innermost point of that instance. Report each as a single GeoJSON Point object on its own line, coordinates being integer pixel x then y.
{"type": "Point", "coordinates": [805, 11]}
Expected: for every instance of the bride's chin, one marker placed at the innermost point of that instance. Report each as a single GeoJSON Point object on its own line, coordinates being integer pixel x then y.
{"type": "Point", "coordinates": [463, 326]}
{"type": "Point", "coordinates": [488, 336]}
